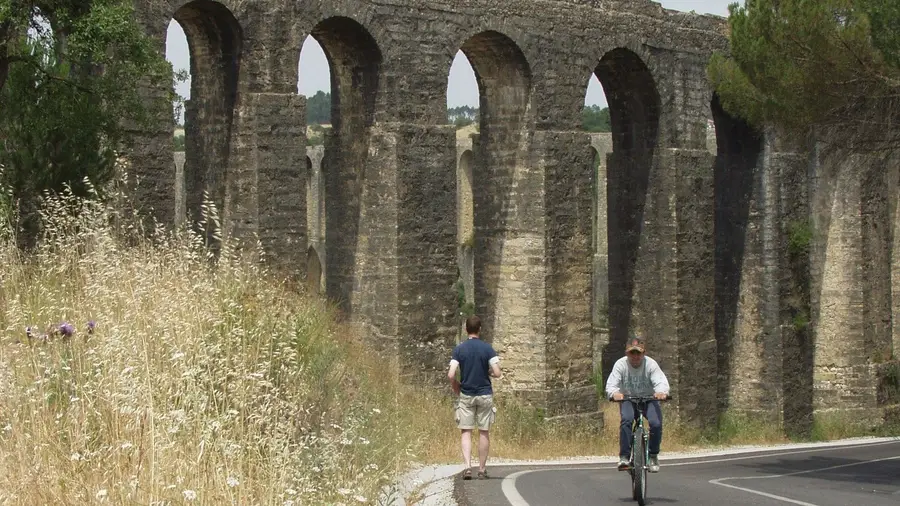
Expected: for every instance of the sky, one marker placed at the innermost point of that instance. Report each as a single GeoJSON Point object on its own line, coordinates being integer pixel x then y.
{"type": "Point", "coordinates": [462, 88]}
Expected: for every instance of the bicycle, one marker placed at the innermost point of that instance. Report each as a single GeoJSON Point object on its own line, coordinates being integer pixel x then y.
{"type": "Point", "coordinates": [638, 466]}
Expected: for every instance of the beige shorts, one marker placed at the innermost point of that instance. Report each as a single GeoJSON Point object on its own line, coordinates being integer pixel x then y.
{"type": "Point", "coordinates": [475, 410]}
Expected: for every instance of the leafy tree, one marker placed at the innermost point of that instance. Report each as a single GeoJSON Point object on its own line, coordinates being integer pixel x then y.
{"type": "Point", "coordinates": [462, 115]}
{"type": "Point", "coordinates": [595, 119]}
{"type": "Point", "coordinates": [829, 64]}
{"type": "Point", "coordinates": [318, 109]}
{"type": "Point", "coordinates": [63, 108]}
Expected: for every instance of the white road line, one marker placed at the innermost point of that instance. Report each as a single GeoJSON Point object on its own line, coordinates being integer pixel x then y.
{"type": "Point", "coordinates": [508, 486]}
{"type": "Point", "coordinates": [787, 499]}
{"type": "Point", "coordinates": [509, 489]}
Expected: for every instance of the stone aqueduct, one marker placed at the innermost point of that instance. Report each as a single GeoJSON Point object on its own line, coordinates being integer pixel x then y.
{"type": "Point", "coordinates": [691, 247]}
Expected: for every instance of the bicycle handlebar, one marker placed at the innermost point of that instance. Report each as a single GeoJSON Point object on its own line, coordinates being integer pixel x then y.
{"type": "Point", "coordinates": [634, 398]}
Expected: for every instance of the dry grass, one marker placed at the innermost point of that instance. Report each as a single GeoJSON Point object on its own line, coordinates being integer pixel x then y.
{"type": "Point", "coordinates": [211, 385]}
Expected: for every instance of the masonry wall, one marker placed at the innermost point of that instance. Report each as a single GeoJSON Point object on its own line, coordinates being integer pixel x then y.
{"type": "Point", "coordinates": [698, 256]}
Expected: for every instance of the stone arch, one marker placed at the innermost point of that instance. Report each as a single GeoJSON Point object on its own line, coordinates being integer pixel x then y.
{"type": "Point", "coordinates": [634, 102]}
{"type": "Point", "coordinates": [503, 75]}
{"type": "Point", "coordinates": [355, 61]}
{"type": "Point", "coordinates": [504, 82]}
{"type": "Point", "coordinates": [634, 107]}
{"type": "Point", "coordinates": [215, 40]}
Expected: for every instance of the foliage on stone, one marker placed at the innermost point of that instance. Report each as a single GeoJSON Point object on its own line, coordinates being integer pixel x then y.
{"type": "Point", "coordinates": [65, 110]}
{"type": "Point", "coordinates": [832, 64]}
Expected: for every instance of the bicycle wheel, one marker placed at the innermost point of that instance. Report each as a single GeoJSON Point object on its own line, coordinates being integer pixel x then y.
{"type": "Point", "coordinates": [639, 471]}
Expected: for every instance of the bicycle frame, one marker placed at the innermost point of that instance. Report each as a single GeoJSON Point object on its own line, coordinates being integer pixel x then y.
{"type": "Point", "coordinates": [639, 430]}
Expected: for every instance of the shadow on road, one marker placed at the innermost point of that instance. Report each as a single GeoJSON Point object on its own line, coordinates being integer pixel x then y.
{"type": "Point", "coordinates": [885, 472]}
{"type": "Point", "coordinates": [651, 500]}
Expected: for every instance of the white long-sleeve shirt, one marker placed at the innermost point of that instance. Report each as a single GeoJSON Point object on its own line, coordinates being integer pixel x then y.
{"type": "Point", "coordinates": [641, 381]}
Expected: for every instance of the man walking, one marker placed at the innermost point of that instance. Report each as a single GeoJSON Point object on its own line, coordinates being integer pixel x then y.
{"type": "Point", "coordinates": [477, 363]}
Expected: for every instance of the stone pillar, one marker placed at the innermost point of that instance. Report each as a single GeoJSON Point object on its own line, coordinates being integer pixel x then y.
{"type": "Point", "coordinates": [850, 272]}
{"type": "Point", "coordinates": [561, 280]}
{"type": "Point", "coordinates": [424, 226]}
{"type": "Point", "coordinates": [266, 197]}
{"type": "Point", "coordinates": [682, 240]}
{"type": "Point", "coordinates": [509, 252]}
{"type": "Point", "coordinates": [150, 152]}
{"type": "Point", "coordinates": [788, 170]}
{"type": "Point", "coordinates": [466, 228]}
{"type": "Point", "coordinates": [391, 242]}
{"type": "Point", "coordinates": [893, 186]}
{"type": "Point", "coordinates": [179, 188]}
{"type": "Point", "coordinates": [602, 144]}
{"type": "Point", "coordinates": [748, 241]}
{"type": "Point", "coordinates": [315, 217]}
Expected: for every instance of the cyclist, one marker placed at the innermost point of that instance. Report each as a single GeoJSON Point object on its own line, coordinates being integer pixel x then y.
{"type": "Point", "coordinates": [638, 375]}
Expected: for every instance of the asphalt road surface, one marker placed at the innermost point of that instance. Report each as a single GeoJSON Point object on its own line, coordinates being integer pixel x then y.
{"type": "Point", "coordinates": [861, 474]}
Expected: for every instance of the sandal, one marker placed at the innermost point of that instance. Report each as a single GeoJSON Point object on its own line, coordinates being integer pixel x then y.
{"type": "Point", "coordinates": [482, 475]}
{"type": "Point", "coordinates": [467, 474]}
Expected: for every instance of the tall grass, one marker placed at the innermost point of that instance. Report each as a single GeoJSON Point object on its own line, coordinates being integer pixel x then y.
{"type": "Point", "coordinates": [211, 384]}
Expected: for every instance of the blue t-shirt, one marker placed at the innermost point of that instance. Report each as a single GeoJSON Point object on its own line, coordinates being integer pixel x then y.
{"type": "Point", "coordinates": [474, 357]}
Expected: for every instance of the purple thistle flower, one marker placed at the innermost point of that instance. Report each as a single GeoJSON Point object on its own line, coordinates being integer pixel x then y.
{"type": "Point", "coordinates": [90, 326]}
{"type": "Point", "coordinates": [66, 329]}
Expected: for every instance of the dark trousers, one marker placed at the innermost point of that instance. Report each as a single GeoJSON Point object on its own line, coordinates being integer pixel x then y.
{"type": "Point", "coordinates": [629, 413]}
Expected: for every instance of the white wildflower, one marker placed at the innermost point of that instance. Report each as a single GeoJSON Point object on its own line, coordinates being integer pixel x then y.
{"type": "Point", "coordinates": [344, 491]}
{"type": "Point", "coordinates": [360, 498]}
{"type": "Point", "coordinates": [232, 481]}
{"type": "Point", "coordinates": [290, 491]}
{"type": "Point", "coordinates": [75, 457]}
{"type": "Point", "coordinates": [288, 502]}
{"type": "Point", "coordinates": [376, 411]}
{"type": "Point", "coordinates": [189, 495]}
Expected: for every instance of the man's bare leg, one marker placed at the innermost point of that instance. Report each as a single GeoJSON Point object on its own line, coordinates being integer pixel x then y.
{"type": "Point", "coordinates": [484, 445]}
{"type": "Point", "coordinates": [467, 447]}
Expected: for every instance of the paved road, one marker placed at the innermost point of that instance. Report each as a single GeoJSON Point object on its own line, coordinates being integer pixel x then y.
{"type": "Point", "coordinates": [861, 474]}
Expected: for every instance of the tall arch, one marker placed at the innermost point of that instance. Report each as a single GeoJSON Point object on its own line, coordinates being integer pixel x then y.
{"type": "Point", "coordinates": [503, 216]}
{"type": "Point", "coordinates": [634, 109]}
{"type": "Point", "coordinates": [354, 60]}
{"type": "Point", "coordinates": [215, 41]}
